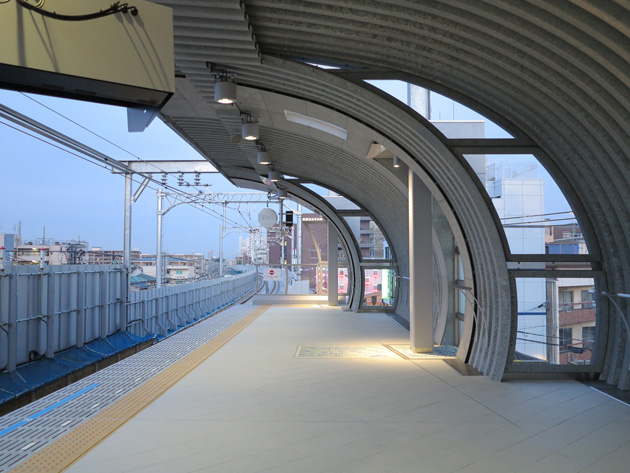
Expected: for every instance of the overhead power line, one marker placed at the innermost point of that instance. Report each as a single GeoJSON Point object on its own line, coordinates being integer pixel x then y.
{"type": "Point", "coordinates": [150, 163]}
{"type": "Point", "coordinates": [69, 145]}
{"type": "Point", "coordinates": [540, 215]}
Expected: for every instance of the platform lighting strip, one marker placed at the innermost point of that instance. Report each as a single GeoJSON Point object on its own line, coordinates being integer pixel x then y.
{"type": "Point", "coordinates": [317, 124]}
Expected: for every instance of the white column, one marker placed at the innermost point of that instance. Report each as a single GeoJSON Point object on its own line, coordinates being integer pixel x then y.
{"type": "Point", "coordinates": [127, 223]}
{"type": "Point", "coordinates": [158, 251]}
{"type": "Point", "coordinates": [333, 283]}
{"type": "Point", "coordinates": [221, 236]}
{"type": "Point", "coordinates": [420, 266]}
{"type": "Point", "coordinates": [420, 100]}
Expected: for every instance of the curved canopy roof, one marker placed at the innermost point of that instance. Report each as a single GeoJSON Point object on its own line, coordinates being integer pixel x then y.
{"type": "Point", "coordinates": [555, 75]}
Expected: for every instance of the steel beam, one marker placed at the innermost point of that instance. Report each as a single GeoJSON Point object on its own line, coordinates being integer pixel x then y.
{"type": "Point", "coordinates": [492, 146]}
{"type": "Point", "coordinates": [169, 167]}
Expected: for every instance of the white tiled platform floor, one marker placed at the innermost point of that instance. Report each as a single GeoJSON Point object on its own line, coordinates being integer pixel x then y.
{"type": "Point", "coordinates": [254, 407]}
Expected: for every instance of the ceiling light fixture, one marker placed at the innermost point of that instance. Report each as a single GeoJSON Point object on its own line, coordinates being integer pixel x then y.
{"type": "Point", "coordinates": [396, 163]}
{"type": "Point", "coordinates": [274, 176]}
{"type": "Point", "coordinates": [264, 156]}
{"type": "Point", "coordinates": [224, 91]}
{"type": "Point", "coordinates": [282, 194]}
{"type": "Point", "coordinates": [250, 130]}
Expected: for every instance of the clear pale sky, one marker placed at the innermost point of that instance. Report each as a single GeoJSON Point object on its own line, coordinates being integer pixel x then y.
{"type": "Point", "coordinates": [42, 186]}
{"type": "Point", "coordinates": [443, 108]}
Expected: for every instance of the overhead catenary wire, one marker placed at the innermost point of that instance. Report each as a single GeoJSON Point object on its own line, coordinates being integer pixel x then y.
{"type": "Point", "coordinates": [68, 142]}
{"type": "Point", "coordinates": [88, 155]}
{"type": "Point", "coordinates": [578, 340]}
{"type": "Point", "coordinates": [209, 212]}
{"type": "Point", "coordinates": [138, 158]}
{"type": "Point", "coordinates": [539, 225]}
{"type": "Point", "coordinates": [151, 163]}
{"type": "Point", "coordinates": [539, 215]}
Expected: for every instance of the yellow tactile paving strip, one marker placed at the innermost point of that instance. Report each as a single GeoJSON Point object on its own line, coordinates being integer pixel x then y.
{"type": "Point", "coordinates": [64, 452]}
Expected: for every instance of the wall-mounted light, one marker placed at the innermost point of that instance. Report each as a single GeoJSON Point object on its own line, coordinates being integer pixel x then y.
{"type": "Point", "coordinates": [274, 176]}
{"type": "Point", "coordinates": [250, 130]}
{"type": "Point", "coordinates": [282, 194]}
{"type": "Point", "coordinates": [224, 90]}
{"type": "Point", "coordinates": [396, 162]}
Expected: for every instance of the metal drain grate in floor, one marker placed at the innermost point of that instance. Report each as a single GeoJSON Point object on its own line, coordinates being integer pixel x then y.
{"type": "Point", "coordinates": [439, 352]}
{"type": "Point", "coordinates": [375, 351]}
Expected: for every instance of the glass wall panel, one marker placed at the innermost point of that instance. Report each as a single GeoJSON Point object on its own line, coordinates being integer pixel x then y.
{"type": "Point", "coordinates": [452, 118]}
{"type": "Point", "coordinates": [535, 215]}
{"type": "Point", "coordinates": [380, 287]}
{"type": "Point", "coordinates": [460, 296]}
{"type": "Point", "coordinates": [557, 320]}
{"type": "Point", "coordinates": [372, 242]}
{"type": "Point", "coordinates": [343, 280]}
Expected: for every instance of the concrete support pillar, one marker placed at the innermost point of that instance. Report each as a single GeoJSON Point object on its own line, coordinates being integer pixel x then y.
{"type": "Point", "coordinates": [333, 264]}
{"type": "Point", "coordinates": [420, 100]}
{"type": "Point", "coordinates": [420, 261]}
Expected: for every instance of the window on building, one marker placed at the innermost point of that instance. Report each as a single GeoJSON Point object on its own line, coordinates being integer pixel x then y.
{"type": "Point", "coordinates": [588, 300]}
{"type": "Point", "coordinates": [565, 300]}
{"type": "Point", "coordinates": [566, 338]}
{"type": "Point", "coordinates": [371, 240]}
{"type": "Point", "coordinates": [588, 336]}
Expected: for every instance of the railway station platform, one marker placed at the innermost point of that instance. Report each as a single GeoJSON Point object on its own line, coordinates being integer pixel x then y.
{"type": "Point", "coordinates": [289, 389]}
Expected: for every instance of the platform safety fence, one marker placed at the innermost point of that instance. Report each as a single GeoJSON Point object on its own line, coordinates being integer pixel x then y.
{"type": "Point", "coordinates": [46, 311]}
{"type": "Point", "coordinates": [164, 310]}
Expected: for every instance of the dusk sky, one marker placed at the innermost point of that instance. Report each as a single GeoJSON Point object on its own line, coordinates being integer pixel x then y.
{"type": "Point", "coordinates": [43, 186]}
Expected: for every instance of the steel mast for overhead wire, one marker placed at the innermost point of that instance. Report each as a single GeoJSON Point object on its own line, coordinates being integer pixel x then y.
{"type": "Point", "coordinates": [201, 198]}
{"type": "Point", "coordinates": [145, 169]}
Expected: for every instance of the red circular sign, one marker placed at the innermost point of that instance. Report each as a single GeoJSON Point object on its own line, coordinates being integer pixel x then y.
{"type": "Point", "coordinates": [271, 273]}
